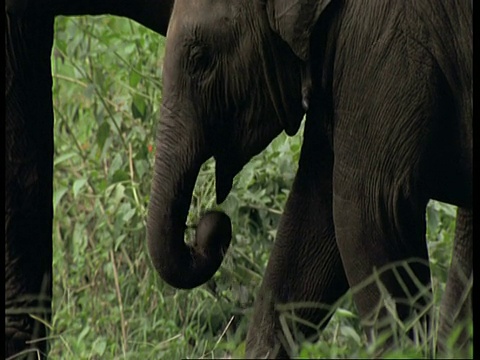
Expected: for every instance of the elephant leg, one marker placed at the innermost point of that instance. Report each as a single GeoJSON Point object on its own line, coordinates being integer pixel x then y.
{"type": "Point", "coordinates": [28, 182]}
{"type": "Point", "coordinates": [456, 306]}
{"type": "Point", "coordinates": [305, 264]}
{"type": "Point", "coordinates": [380, 229]}
{"type": "Point", "coordinates": [390, 117]}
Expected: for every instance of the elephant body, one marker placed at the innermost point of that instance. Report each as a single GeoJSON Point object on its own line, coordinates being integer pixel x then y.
{"type": "Point", "coordinates": [386, 88]}
{"type": "Point", "coordinates": [29, 154]}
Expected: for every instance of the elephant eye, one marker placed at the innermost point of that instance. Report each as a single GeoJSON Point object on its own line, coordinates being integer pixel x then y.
{"type": "Point", "coordinates": [199, 60]}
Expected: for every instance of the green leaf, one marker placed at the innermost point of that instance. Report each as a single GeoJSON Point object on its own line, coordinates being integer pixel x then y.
{"type": "Point", "coordinates": [118, 241]}
{"type": "Point", "coordinates": [128, 215]}
{"type": "Point", "coordinates": [57, 196]}
{"type": "Point", "coordinates": [102, 134]}
{"type": "Point", "coordinates": [99, 346]}
{"type": "Point", "coordinates": [348, 331]}
{"type": "Point", "coordinates": [346, 314]}
{"type": "Point", "coordinates": [138, 106]}
{"type": "Point", "coordinates": [119, 193]}
{"type": "Point", "coordinates": [64, 157]}
{"type": "Point", "coordinates": [119, 176]}
{"type": "Point", "coordinates": [134, 78]}
{"type": "Point", "coordinates": [78, 185]}
{"type": "Point", "coordinates": [84, 332]}
{"type": "Point", "coordinates": [141, 167]}
{"type": "Point", "coordinates": [116, 164]}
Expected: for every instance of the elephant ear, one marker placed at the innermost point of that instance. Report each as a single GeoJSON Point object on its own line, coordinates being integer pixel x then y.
{"type": "Point", "coordinates": [294, 21]}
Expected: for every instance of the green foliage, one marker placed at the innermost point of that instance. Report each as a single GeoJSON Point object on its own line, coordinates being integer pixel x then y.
{"type": "Point", "coordinates": [108, 301]}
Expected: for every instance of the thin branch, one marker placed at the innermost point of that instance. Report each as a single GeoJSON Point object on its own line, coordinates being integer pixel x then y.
{"type": "Point", "coordinates": [120, 304]}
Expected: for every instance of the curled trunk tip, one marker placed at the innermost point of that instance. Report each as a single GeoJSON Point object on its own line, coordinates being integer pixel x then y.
{"type": "Point", "coordinates": [187, 266]}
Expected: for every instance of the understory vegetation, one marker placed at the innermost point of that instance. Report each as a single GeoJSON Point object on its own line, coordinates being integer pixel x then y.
{"type": "Point", "coordinates": [108, 301]}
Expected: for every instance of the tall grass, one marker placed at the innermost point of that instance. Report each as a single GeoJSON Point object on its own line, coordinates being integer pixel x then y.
{"type": "Point", "coordinates": [108, 301]}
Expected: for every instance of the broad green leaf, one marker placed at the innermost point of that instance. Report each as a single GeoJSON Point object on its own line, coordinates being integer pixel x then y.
{"type": "Point", "coordinates": [119, 193]}
{"type": "Point", "coordinates": [99, 346]}
{"type": "Point", "coordinates": [118, 240]}
{"type": "Point", "coordinates": [134, 78]}
{"type": "Point", "coordinates": [138, 106]}
{"type": "Point", "coordinates": [102, 134]}
{"type": "Point", "coordinates": [78, 185]}
{"type": "Point", "coordinates": [64, 157]}
{"type": "Point", "coordinates": [57, 196]}
{"type": "Point", "coordinates": [84, 332]}
{"type": "Point", "coordinates": [119, 176]}
{"type": "Point", "coordinates": [116, 164]}
{"type": "Point", "coordinates": [128, 215]}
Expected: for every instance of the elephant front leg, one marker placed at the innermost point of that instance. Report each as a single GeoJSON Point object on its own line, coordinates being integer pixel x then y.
{"type": "Point", "coordinates": [380, 228]}
{"type": "Point", "coordinates": [305, 264]}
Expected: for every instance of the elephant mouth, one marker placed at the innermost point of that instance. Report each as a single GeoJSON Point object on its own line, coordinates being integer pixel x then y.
{"type": "Point", "coordinates": [229, 161]}
{"type": "Point", "coordinates": [225, 171]}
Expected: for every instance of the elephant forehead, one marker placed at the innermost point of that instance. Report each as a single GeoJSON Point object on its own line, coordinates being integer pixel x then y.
{"type": "Point", "coordinates": [208, 14]}
{"type": "Point", "coordinates": [217, 26]}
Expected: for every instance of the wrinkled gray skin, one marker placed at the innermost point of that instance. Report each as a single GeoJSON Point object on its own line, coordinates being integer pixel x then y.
{"type": "Point", "coordinates": [29, 153]}
{"type": "Point", "coordinates": [387, 92]}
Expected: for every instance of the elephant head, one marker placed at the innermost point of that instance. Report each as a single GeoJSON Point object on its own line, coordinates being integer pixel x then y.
{"type": "Point", "coordinates": [235, 77]}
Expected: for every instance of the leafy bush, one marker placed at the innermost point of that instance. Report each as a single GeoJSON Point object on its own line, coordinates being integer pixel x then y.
{"type": "Point", "coordinates": [108, 301]}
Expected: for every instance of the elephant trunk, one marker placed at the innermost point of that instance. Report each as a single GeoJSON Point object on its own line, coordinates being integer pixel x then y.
{"type": "Point", "coordinates": [180, 153]}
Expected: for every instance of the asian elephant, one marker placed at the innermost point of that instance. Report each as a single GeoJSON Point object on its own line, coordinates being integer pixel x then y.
{"type": "Point", "coordinates": [386, 88]}
{"type": "Point", "coordinates": [29, 153]}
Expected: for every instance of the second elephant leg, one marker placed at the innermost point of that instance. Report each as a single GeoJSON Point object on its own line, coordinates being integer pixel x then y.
{"type": "Point", "coordinates": [305, 264]}
{"type": "Point", "coordinates": [28, 182]}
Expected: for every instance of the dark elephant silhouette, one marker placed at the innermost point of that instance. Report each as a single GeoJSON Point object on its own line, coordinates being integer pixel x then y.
{"type": "Point", "coordinates": [29, 154]}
